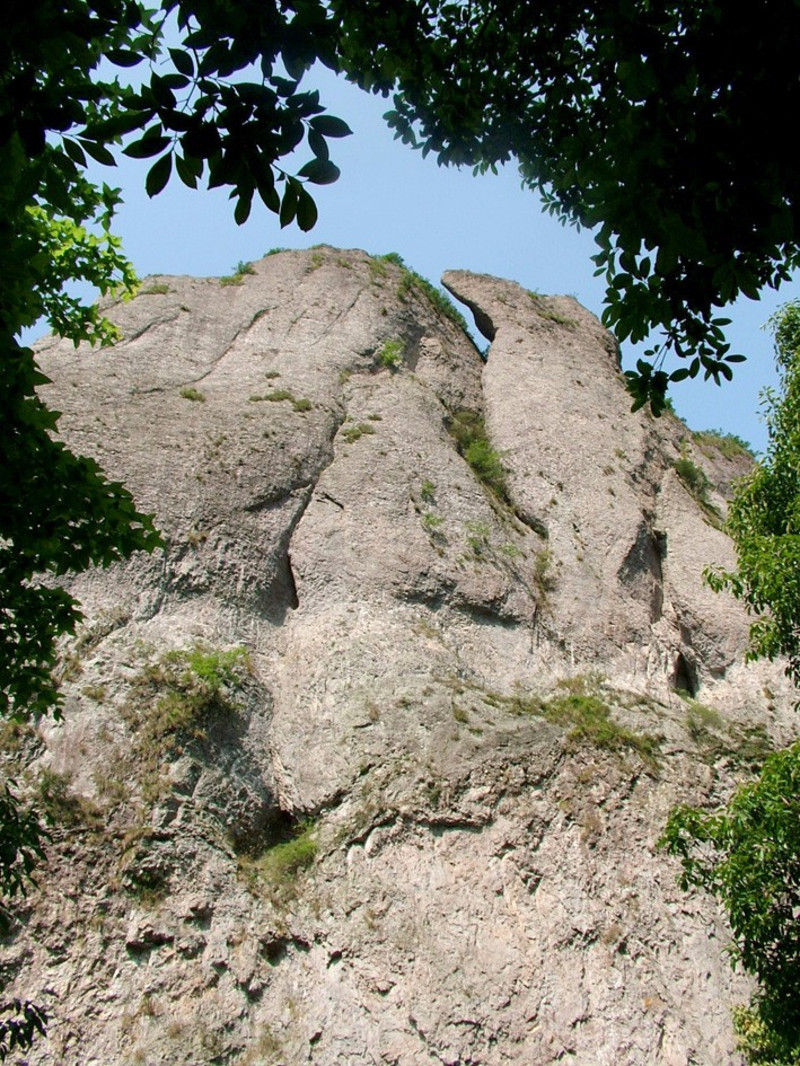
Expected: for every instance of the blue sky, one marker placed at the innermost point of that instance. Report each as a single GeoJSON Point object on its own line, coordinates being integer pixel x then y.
{"type": "Point", "coordinates": [389, 198]}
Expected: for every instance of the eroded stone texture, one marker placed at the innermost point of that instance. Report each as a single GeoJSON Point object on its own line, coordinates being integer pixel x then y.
{"type": "Point", "coordinates": [486, 886]}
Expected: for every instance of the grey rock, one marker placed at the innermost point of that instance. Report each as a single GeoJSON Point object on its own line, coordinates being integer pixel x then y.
{"type": "Point", "coordinates": [485, 884]}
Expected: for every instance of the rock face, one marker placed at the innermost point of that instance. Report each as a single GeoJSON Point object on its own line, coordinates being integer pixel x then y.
{"type": "Point", "coordinates": [369, 765]}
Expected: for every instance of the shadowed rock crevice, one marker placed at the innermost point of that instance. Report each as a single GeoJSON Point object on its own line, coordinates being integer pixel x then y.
{"type": "Point", "coordinates": [532, 521]}
{"type": "Point", "coordinates": [684, 675]}
{"type": "Point", "coordinates": [641, 571]}
{"type": "Point", "coordinates": [280, 596]}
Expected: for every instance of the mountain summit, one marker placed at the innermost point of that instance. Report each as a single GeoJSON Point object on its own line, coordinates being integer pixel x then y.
{"type": "Point", "coordinates": [369, 765]}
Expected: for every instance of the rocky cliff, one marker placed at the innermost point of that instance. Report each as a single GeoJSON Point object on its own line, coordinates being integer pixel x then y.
{"type": "Point", "coordinates": [370, 763]}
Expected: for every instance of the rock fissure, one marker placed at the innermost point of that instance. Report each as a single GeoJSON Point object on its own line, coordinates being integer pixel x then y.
{"type": "Point", "coordinates": [217, 360]}
{"type": "Point", "coordinates": [535, 524]}
{"type": "Point", "coordinates": [148, 327]}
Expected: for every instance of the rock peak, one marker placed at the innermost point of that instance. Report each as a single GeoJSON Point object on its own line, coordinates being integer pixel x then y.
{"type": "Point", "coordinates": [448, 605]}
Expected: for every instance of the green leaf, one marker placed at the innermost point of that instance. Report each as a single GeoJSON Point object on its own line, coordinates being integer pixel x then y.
{"type": "Point", "coordinates": [319, 171]}
{"type": "Point", "coordinates": [330, 126]}
{"type": "Point", "coordinates": [269, 196]}
{"type": "Point", "coordinates": [174, 81]}
{"type": "Point", "coordinates": [185, 172]}
{"type": "Point", "coordinates": [223, 169]}
{"type": "Point", "coordinates": [98, 152]}
{"type": "Point", "coordinates": [146, 147]}
{"type": "Point", "coordinates": [289, 203]}
{"type": "Point", "coordinates": [200, 38]}
{"type": "Point", "coordinates": [318, 145]}
{"type": "Point", "coordinates": [183, 61]}
{"type": "Point", "coordinates": [161, 92]}
{"type": "Point", "coordinates": [296, 64]}
{"type": "Point", "coordinates": [178, 121]}
{"type": "Point", "coordinates": [241, 212]}
{"type": "Point", "coordinates": [202, 141]}
{"type": "Point", "coordinates": [158, 175]}
{"type": "Point", "coordinates": [114, 127]}
{"type": "Point", "coordinates": [306, 211]}
{"type": "Point", "coordinates": [121, 57]}
{"type": "Point", "coordinates": [283, 87]}
{"type": "Point", "coordinates": [74, 151]}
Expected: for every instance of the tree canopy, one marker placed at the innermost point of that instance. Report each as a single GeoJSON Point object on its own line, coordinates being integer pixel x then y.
{"type": "Point", "coordinates": [657, 124]}
{"type": "Point", "coordinates": [746, 855]}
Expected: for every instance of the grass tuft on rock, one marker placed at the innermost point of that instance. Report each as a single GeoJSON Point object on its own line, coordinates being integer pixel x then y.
{"type": "Point", "coordinates": [411, 282]}
{"type": "Point", "coordinates": [468, 430]}
{"type": "Point", "coordinates": [277, 871]}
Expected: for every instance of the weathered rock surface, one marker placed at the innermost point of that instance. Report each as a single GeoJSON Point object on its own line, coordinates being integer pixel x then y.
{"type": "Point", "coordinates": [472, 874]}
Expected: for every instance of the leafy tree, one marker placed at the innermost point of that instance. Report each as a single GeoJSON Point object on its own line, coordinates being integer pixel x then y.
{"type": "Point", "coordinates": [20, 1025]}
{"type": "Point", "coordinates": [57, 510]}
{"type": "Point", "coordinates": [764, 516]}
{"type": "Point", "coordinates": [748, 856]}
{"type": "Point", "coordinates": [654, 123]}
{"type": "Point", "coordinates": [21, 846]}
{"type": "Point", "coordinates": [22, 839]}
{"type": "Point", "coordinates": [748, 853]}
